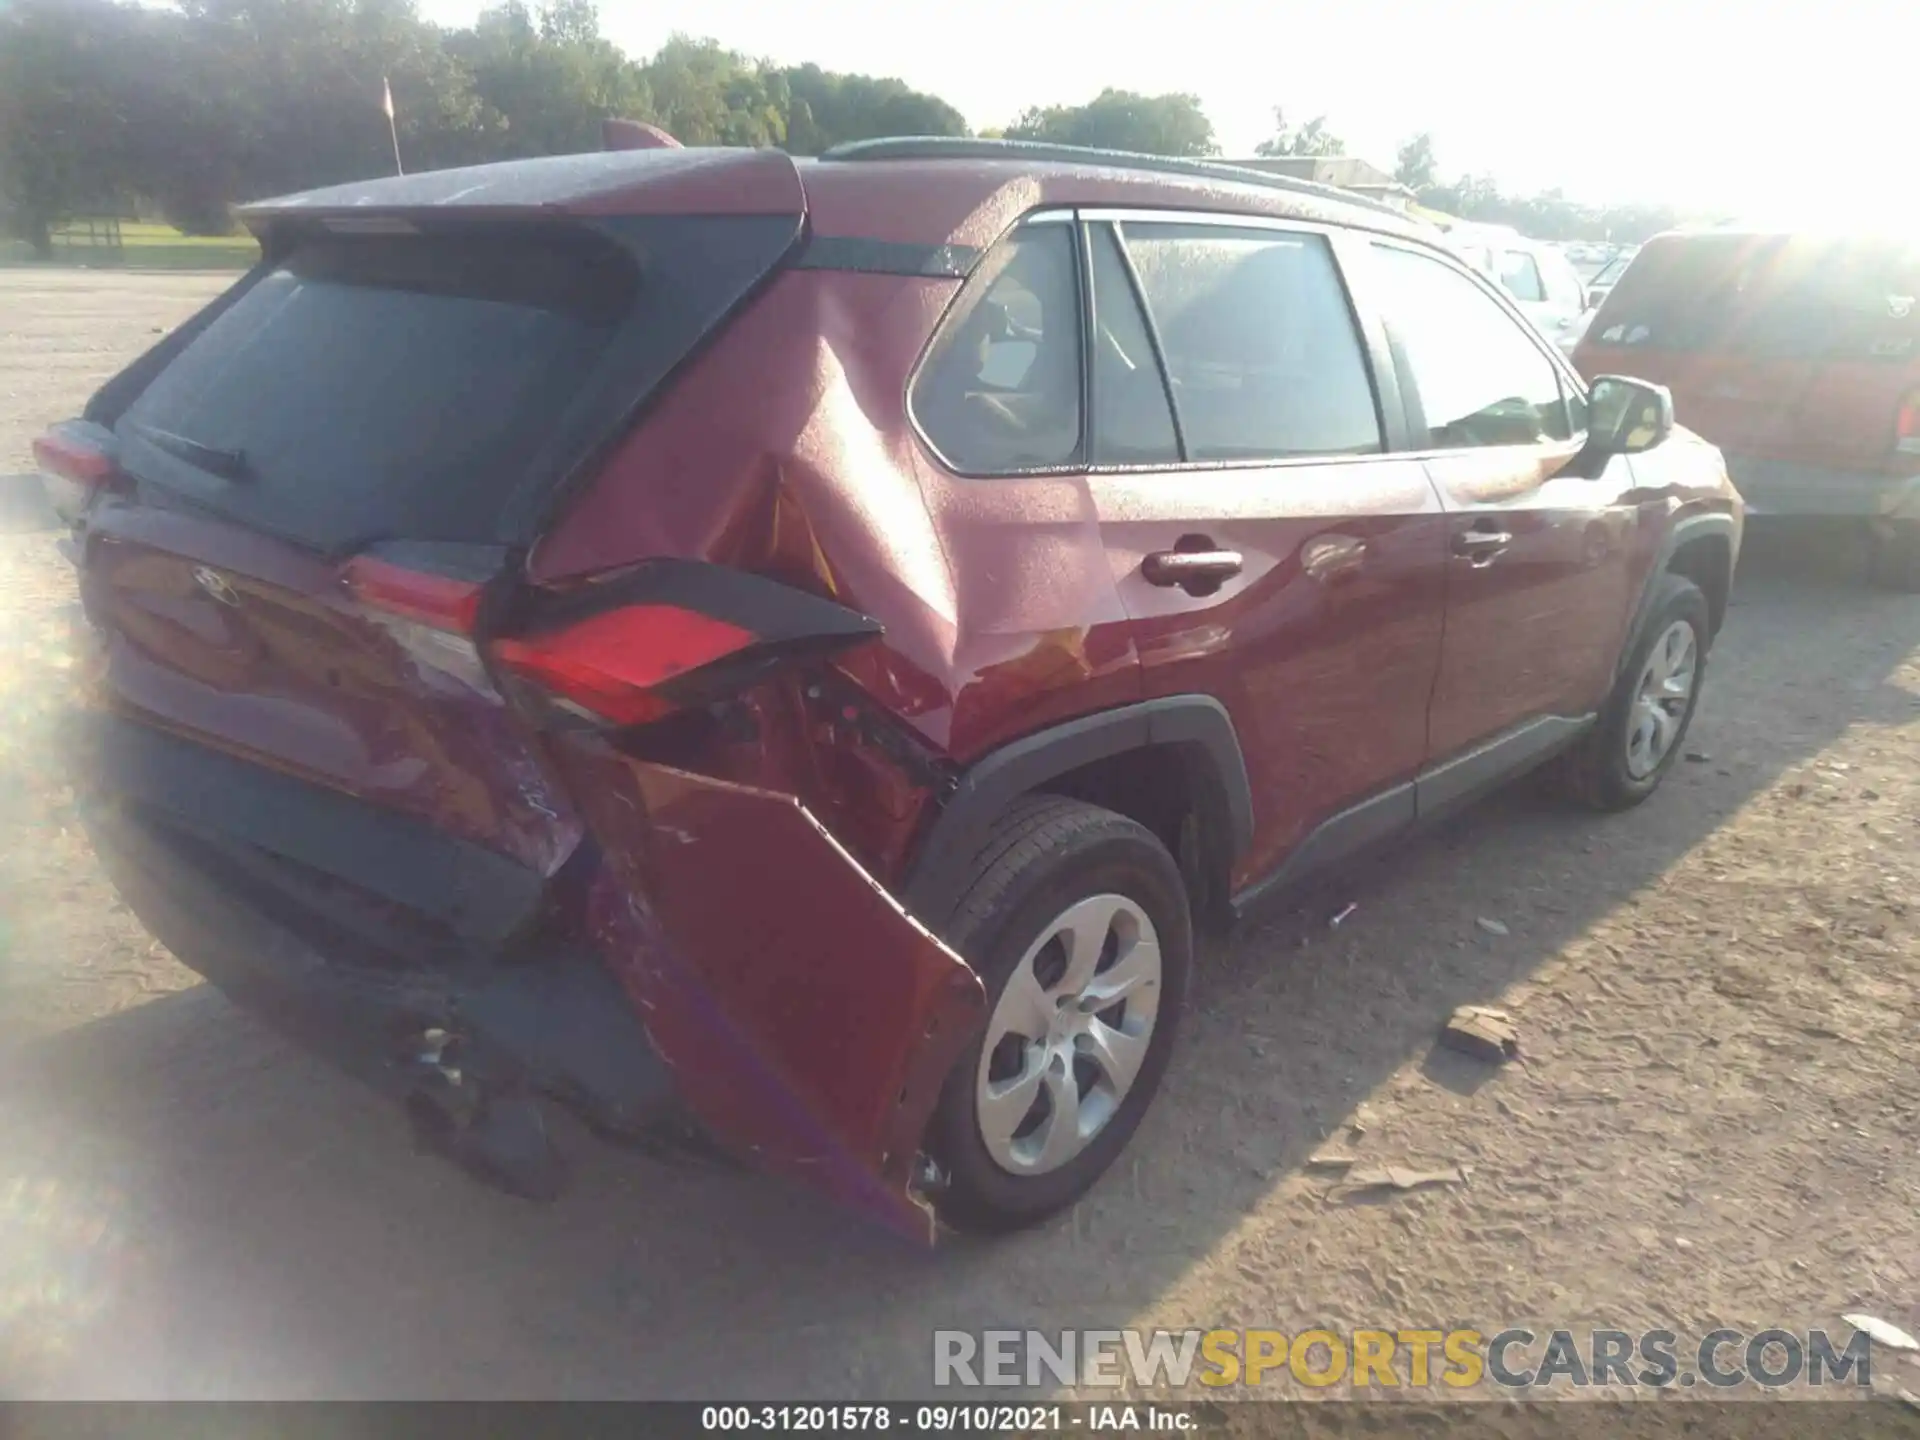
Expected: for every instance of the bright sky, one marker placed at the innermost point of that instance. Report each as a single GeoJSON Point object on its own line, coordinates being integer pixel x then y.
{"type": "Point", "coordinates": [1757, 105]}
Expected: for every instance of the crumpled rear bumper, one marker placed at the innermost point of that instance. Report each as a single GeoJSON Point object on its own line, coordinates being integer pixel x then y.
{"type": "Point", "coordinates": [808, 1020]}
{"type": "Point", "coordinates": [743, 968]}
{"type": "Point", "coordinates": [553, 1024]}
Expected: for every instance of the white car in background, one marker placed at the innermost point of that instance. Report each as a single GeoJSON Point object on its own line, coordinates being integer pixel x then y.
{"type": "Point", "coordinates": [1608, 275]}
{"type": "Point", "coordinates": [1539, 277]}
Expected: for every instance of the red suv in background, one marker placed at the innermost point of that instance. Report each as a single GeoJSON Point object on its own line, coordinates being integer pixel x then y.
{"type": "Point", "coordinates": [808, 642]}
{"type": "Point", "coordinates": [1799, 355]}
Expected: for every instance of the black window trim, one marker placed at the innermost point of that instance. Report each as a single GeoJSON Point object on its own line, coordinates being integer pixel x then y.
{"type": "Point", "coordinates": [1571, 385]}
{"type": "Point", "coordinates": [1089, 329]}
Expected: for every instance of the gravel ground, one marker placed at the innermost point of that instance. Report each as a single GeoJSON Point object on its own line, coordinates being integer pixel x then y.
{"type": "Point", "coordinates": [1715, 1121]}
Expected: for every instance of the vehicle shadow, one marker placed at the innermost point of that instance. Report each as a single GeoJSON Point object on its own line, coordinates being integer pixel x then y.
{"type": "Point", "coordinates": [23, 506]}
{"type": "Point", "coordinates": [230, 1219]}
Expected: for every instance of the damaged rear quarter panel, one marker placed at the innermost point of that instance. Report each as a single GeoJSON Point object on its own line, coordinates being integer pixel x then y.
{"type": "Point", "coordinates": [808, 1020]}
{"type": "Point", "coordinates": [790, 993]}
{"type": "Point", "coordinates": [809, 478]}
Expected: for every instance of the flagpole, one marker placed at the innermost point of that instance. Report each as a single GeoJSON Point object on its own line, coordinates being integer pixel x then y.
{"type": "Point", "coordinates": [393, 131]}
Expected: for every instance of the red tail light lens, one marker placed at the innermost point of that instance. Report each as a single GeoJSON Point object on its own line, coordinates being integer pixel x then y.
{"type": "Point", "coordinates": [430, 617]}
{"type": "Point", "coordinates": [75, 461]}
{"type": "Point", "coordinates": [1906, 430]}
{"type": "Point", "coordinates": [612, 665]}
{"type": "Point", "coordinates": [434, 600]}
{"type": "Point", "coordinates": [626, 650]}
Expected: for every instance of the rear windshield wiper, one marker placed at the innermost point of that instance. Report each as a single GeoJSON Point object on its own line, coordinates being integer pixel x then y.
{"type": "Point", "coordinates": [227, 464]}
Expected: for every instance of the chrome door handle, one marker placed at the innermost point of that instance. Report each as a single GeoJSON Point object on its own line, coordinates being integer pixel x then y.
{"type": "Point", "coordinates": [1332, 558]}
{"type": "Point", "coordinates": [1481, 547]}
{"type": "Point", "coordinates": [1481, 544]}
{"type": "Point", "coordinates": [1185, 567]}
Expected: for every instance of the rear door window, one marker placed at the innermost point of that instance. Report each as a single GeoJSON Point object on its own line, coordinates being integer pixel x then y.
{"type": "Point", "coordinates": [1000, 390]}
{"type": "Point", "coordinates": [1479, 257]}
{"type": "Point", "coordinates": [1609, 274]}
{"type": "Point", "coordinates": [1260, 342]}
{"type": "Point", "coordinates": [1676, 295]}
{"type": "Point", "coordinates": [384, 386]}
{"type": "Point", "coordinates": [1562, 280]}
{"type": "Point", "coordinates": [1521, 276]}
{"type": "Point", "coordinates": [1480, 377]}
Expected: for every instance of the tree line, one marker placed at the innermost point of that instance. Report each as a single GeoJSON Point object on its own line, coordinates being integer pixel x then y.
{"type": "Point", "coordinates": [115, 108]}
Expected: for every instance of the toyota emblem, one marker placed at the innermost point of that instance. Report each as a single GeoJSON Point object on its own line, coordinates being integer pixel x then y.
{"type": "Point", "coordinates": [216, 585]}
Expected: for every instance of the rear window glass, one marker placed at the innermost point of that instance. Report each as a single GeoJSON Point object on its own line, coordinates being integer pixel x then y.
{"type": "Point", "coordinates": [1610, 273]}
{"type": "Point", "coordinates": [1521, 276]}
{"type": "Point", "coordinates": [1769, 296]}
{"type": "Point", "coordinates": [1000, 392]}
{"type": "Point", "coordinates": [385, 386]}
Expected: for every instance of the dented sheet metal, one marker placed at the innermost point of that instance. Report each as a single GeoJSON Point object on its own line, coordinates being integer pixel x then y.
{"type": "Point", "coordinates": [809, 1021]}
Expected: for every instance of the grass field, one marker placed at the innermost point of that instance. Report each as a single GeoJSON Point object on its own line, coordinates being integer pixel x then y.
{"type": "Point", "coordinates": [143, 246]}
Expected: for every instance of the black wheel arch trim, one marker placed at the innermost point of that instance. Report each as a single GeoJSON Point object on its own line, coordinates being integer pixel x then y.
{"type": "Point", "coordinates": [1683, 531]}
{"type": "Point", "coordinates": [1198, 724]}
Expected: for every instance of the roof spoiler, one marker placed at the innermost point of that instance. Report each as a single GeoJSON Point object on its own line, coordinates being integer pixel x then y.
{"type": "Point", "coordinates": [635, 135]}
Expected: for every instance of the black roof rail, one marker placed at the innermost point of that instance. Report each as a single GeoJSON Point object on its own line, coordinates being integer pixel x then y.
{"type": "Point", "coordinates": [960, 147]}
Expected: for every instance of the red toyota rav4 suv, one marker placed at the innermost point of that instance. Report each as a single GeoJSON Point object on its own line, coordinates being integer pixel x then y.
{"type": "Point", "coordinates": [803, 645]}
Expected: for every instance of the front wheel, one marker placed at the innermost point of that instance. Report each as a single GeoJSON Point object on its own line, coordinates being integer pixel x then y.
{"type": "Point", "coordinates": [1644, 720]}
{"type": "Point", "coordinates": [1077, 921]}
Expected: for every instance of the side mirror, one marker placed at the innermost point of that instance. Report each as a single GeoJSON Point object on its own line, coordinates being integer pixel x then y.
{"type": "Point", "coordinates": [1627, 416]}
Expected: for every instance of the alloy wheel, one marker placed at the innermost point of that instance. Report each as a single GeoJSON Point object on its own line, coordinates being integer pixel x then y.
{"type": "Point", "coordinates": [1661, 698]}
{"type": "Point", "coordinates": [1069, 1034]}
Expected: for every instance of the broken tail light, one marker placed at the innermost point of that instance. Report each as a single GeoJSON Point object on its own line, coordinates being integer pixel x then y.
{"type": "Point", "coordinates": [616, 666]}
{"type": "Point", "coordinates": [438, 601]}
{"type": "Point", "coordinates": [1906, 428]}
{"type": "Point", "coordinates": [668, 635]}
{"type": "Point", "coordinates": [76, 461]}
{"type": "Point", "coordinates": [627, 650]}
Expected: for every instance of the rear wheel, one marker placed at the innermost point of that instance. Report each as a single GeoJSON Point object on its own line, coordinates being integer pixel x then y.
{"type": "Point", "coordinates": [1894, 560]}
{"type": "Point", "coordinates": [1077, 921]}
{"type": "Point", "coordinates": [1644, 721]}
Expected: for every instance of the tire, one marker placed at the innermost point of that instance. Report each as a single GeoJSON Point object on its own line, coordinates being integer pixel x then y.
{"type": "Point", "coordinates": [1046, 857]}
{"type": "Point", "coordinates": [1894, 560]}
{"type": "Point", "coordinates": [1601, 771]}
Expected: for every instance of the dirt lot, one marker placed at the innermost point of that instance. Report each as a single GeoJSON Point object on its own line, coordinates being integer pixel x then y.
{"type": "Point", "coordinates": [1717, 1121]}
